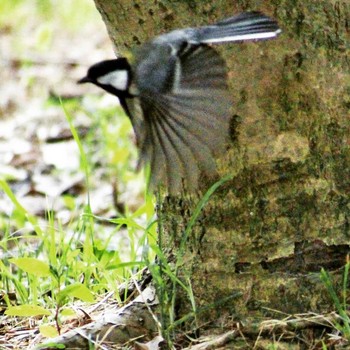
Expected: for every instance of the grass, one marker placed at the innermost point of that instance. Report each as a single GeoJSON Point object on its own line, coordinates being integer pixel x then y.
{"type": "Point", "coordinates": [53, 265]}
{"type": "Point", "coordinates": [340, 303]}
{"type": "Point", "coordinates": [49, 265]}
{"type": "Point", "coordinates": [166, 275]}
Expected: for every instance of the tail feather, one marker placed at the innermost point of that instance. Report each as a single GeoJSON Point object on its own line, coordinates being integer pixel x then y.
{"type": "Point", "coordinates": [246, 26]}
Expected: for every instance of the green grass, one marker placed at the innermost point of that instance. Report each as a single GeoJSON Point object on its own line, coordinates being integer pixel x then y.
{"type": "Point", "coordinates": [48, 268]}
{"type": "Point", "coordinates": [48, 264]}
{"type": "Point", "coordinates": [340, 303]}
{"type": "Point", "coordinates": [166, 275]}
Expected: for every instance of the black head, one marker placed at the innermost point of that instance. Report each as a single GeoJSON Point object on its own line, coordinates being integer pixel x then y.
{"type": "Point", "coordinates": [111, 75]}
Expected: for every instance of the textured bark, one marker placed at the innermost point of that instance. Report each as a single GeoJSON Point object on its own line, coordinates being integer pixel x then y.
{"type": "Point", "coordinates": [262, 239]}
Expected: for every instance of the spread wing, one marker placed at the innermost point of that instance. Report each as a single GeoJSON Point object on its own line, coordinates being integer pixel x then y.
{"type": "Point", "coordinates": [186, 125]}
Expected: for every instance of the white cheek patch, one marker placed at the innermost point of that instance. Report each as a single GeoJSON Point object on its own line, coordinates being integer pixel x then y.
{"type": "Point", "coordinates": [118, 79]}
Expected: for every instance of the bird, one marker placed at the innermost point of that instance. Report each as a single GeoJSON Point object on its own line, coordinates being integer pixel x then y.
{"type": "Point", "coordinates": [175, 92]}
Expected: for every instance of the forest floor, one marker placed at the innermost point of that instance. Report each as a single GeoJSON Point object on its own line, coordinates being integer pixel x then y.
{"type": "Point", "coordinates": [71, 208]}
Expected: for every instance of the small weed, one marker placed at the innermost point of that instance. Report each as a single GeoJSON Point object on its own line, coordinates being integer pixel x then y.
{"type": "Point", "coordinates": [340, 303]}
{"type": "Point", "coordinates": [47, 265]}
{"type": "Point", "coordinates": [166, 275]}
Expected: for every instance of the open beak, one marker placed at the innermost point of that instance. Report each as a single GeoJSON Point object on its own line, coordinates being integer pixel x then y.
{"type": "Point", "coordinates": [84, 80]}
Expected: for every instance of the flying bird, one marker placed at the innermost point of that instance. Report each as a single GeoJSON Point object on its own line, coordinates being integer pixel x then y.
{"type": "Point", "coordinates": [176, 95]}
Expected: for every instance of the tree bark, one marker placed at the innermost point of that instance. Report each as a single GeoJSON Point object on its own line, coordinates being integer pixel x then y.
{"type": "Point", "coordinates": [262, 239]}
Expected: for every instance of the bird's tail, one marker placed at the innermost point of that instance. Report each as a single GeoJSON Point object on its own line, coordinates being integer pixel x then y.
{"type": "Point", "coordinates": [246, 26]}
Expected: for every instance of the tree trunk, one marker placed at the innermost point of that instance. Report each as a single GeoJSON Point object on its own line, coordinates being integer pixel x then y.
{"type": "Point", "coordinates": [261, 240]}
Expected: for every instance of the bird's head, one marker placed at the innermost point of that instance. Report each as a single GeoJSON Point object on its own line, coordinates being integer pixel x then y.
{"type": "Point", "coordinates": [111, 75]}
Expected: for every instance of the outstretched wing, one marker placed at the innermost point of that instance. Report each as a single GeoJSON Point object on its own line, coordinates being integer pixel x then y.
{"type": "Point", "coordinates": [186, 124]}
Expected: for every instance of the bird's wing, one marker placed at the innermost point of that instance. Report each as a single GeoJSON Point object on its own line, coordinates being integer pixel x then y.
{"type": "Point", "coordinates": [186, 125]}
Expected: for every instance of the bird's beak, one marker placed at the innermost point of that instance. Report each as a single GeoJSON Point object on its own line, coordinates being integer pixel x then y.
{"type": "Point", "coordinates": [84, 80]}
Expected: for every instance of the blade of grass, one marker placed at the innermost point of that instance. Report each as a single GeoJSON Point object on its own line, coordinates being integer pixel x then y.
{"type": "Point", "coordinates": [203, 201]}
{"type": "Point", "coordinates": [21, 210]}
{"type": "Point", "coordinates": [198, 209]}
{"type": "Point", "coordinates": [345, 328]}
{"type": "Point", "coordinates": [84, 161]}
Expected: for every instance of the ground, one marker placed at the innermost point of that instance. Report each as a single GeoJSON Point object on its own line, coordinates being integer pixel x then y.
{"type": "Point", "coordinates": [65, 215]}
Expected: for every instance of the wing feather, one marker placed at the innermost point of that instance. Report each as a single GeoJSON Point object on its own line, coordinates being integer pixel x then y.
{"type": "Point", "coordinates": [187, 125]}
{"type": "Point", "coordinates": [173, 168]}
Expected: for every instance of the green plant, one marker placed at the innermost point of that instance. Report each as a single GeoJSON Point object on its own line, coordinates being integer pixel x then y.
{"type": "Point", "coordinates": [166, 274]}
{"type": "Point", "coordinates": [340, 303]}
{"type": "Point", "coordinates": [54, 264]}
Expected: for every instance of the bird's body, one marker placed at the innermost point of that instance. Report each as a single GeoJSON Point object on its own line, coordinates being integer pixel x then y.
{"type": "Point", "coordinates": [177, 98]}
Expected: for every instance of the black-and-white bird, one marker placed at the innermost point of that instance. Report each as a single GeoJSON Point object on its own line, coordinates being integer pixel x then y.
{"type": "Point", "coordinates": [176, 96]}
